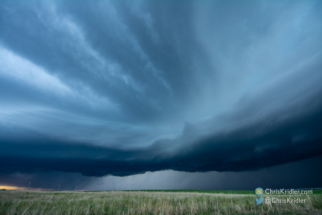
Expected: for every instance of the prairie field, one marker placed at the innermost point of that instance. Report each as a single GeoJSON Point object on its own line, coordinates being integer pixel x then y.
{"type": "Point", "coordinates": [150, 202]}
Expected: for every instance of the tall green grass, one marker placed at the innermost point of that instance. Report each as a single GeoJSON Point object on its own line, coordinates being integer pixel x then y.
{"type": "Point", "coordinates": [124, 202]}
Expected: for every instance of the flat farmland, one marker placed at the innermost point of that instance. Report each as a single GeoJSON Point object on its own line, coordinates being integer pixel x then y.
{"type": "Point", "coordinates": [151, 202]}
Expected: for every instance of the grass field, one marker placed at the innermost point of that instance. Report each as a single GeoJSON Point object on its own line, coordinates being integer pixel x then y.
{"type": "Point", "coordinates": [150, 202]}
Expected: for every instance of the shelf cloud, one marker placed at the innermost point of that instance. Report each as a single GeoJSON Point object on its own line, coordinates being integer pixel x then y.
{"type": "Point", "coordinates": [106, 88]}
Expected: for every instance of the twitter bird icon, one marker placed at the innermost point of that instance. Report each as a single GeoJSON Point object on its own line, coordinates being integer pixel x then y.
{"type": "Point", "coordinates": [259, 201]}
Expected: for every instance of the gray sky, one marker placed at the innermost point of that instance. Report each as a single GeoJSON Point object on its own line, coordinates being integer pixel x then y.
{"type": "Point", "coordinates": [118, 88]}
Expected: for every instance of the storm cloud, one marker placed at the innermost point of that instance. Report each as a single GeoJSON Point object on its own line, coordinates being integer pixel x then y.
{"type": "Point", "coordinates": [122, 88]}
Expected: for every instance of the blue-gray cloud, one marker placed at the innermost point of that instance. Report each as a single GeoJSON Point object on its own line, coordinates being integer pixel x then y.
{"type": "Point", "coordinates": [122, 88]}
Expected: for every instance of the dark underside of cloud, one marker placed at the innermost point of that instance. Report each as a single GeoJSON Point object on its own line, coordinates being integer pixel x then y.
{"type": "Point", "coordinates": [273, 140]}
{"type": "Point", "coordinates": [123, 88]}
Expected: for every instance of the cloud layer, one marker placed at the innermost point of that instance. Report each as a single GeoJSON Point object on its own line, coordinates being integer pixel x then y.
{"type": "Point", "coordinates": [122, 88]}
